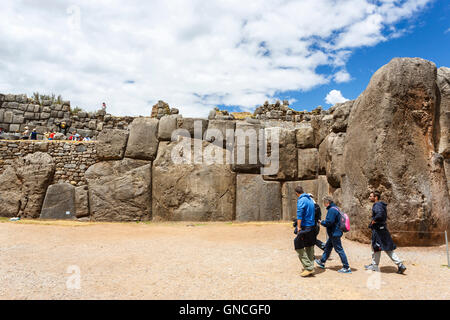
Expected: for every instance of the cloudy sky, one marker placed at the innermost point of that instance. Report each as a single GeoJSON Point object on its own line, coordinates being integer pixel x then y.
{"type": "Point", "coordinates": [199, 54]}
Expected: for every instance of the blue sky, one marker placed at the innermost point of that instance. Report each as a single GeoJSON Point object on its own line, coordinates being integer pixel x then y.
{"type": "Point", "coordinates": [197, 54]}
{"type": "Point", "coordinates": [428, 37]}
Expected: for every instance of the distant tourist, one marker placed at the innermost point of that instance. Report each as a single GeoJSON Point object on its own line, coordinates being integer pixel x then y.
{"type": "Point", "coordinates": [335, 233]}
{"type": "Point", "coordinates": [381, 238]}
{"type": "Point", "coordinates": [25, 134]}
{"type": "Point", "coordinates": [46, 135]}
{"type": "Point", "coordinates": [86, 139]}
{"type": "Point", "coordinates": [33, 135]}
{"type": "Point", "coordinates": [306, 236]}
{"type": "Point", "coordinates": [63, 127]}
{"type": "Point", "coordinates": [52, 135]}
{"type": "Point", "coordinates": [104, 106]}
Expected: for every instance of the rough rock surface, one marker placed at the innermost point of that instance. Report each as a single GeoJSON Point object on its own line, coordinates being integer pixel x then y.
{"type": "Point", "coordinates": [167, 125]}
{"type": "Point", "coordinates": [289, 198]}
{"type": "Point", "coordinates": [112, 143]}
{"type": "Point", "coordinates": [143, 141]}
{"type": "Point", "coordinates": [59, 202]}
{"type": "Point", "coordinates": [23, 185]}
{"type": "Point", "coordinates": [257, 199]}
{"type": "Point", "coordinates": [331, 152]}
{"type": "Point", "coordinates": [308, 163]}
{"type": "Point", "coordinates": [192, 190]}
{"type": "Point", "coordinates": [81, 201]}
{"type": "Point", "coordinates": [120, 190]}
{"type": "Point", "coordinates": [287, 154]}
{"type": "Point", "coordinates": [443, 135]}
{"type": "Point", "coordinates": [390, 146]}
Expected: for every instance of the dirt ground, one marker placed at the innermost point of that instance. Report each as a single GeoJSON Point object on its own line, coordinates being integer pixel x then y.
{"type": "Point", "coordinates": [76, 260]}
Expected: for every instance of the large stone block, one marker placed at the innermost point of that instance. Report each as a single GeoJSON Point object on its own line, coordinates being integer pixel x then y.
{"type": "Point", "coordinates": [2, 111]}
{"type": "Point", "coordinates": [142, 141]}
{"type": "Point", "coordinates": [59, 202]}
{"type": "Point", "coordinates": [111, 144]}
{"type": "Point", "coordinates": [120, 190]}
{"type": "Point", "coordinates": [167, 125]}
{"type": "Point", "coordinates": [389, 146]}
{"type": "Point", "coordinates": [289, 197]}
{"type": "Point", "coordinates": [331, 159]}
{"type": "Point", "coordinates": [305, 137]}
{"type": "Point", "coordinates": [257, 199]}
{"type": "Point", "coordinates": [8, 117]}
{"type": "Point", "coordinates": [285, 154]}
{"type": "Point", "coordinates": [443, 81]}
{"type": "Point", "coordinates": [196, 190]}
{"type": "Point", "coordinates": [81, 202]}
{"type": "Point", "coordinates": [246, 148]}
{"type": "Point", "coordinates": [308, 162]}
{"type": "Point", "coordinates": [190, 124]}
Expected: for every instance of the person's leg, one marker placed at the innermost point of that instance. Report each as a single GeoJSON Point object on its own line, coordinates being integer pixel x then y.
{"type": "Point", "coordinates": [320, 244]}
{"type": "Point", "coordinates": [394, 257]}
{"type": "Point", "coordinates": [310, 253]}
{"type": "Point", "coordinates": [301, 253]}
{"type": "Point", "coordinates": [327, 251]}
{"type": "Point", "coordinates": [337, 244]}
{"type": "Point", "coordinates": [307, 263]}
{"type": "Point", "coordinates": [376, 255]}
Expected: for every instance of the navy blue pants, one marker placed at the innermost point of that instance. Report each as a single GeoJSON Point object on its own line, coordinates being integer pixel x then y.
{"type": "Point", "coordinates": [334, 242]}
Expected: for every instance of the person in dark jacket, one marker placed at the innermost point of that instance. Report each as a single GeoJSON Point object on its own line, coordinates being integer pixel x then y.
{"type": "Point", "coordinates": [381, 238]}
{"type": "Point", "coordinates": [33, 135]}
{"type": "Point", "coordinates": [306, 236]}
{"type": "Point", "coordinates": [334, 236]}
{"type": "Point", "coordinates": [317, 217]}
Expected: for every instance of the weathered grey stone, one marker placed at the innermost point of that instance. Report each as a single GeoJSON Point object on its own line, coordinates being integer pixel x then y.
{"type": "Point", "coordinates": [331, 159]}
{"type": "Point", "coordinates": [2, 111]}
{"type": "Point", "coordinates": [45, 115]}
{"type": "Point", "coordinates": [340, 116]}
{"type": "Point", "coordinates": [167, 125]}
{"type": "Point", "coordinates": [257, 199]}
{"type": "Point", "coordinates": [111, 144]}
{"type": "Point", "coordinates": [8, 117]}
{"type": "Point", "coordinates": [27, 180]}
{"type": "Point", "coordinates": [59, 202]}
{"type": "Point", "coordinates": [10, 98]}
{"type": "Point", "coordinates": [14, 127]}
{"type": "Point", "coordinates": [29, 115]}
{"type": "Point", "coordinates": [189, 125]}
{"type": "Point", "coordinates": [17, 119]}
{"type": "Point", "coordinates": [286, 155]}
{"type": "Point", "coordinates": [289, 198]}
{"type": "Point", "coordinates": [246, 148]}
{"type": "Point", "coordinates": [81, 202]}
{"type": "Point", "coordinates": [143, 141]}
{"type": "Point", "coordinates": [389, 146]}
{"type": "Point", "coordinates": [308, 162]}
{"type": "Point", "coordinates": [196, 190]}
{"type": "Point", "coordinates": [221, 133]}
{"type": "Point", "coordinates": [323, 189]}
{"type": "Point", "coordinates": [120, 190]}
{"type": "Point", "coordinates": [305, 137]}
{"type": "Point", "coordinates": [443, 135]}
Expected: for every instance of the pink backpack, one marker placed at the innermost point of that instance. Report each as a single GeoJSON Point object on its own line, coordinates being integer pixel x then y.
{"type": "Point", "coordinates": [344, 221]}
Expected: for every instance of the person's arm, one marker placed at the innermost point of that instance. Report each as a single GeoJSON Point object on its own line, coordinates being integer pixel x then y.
{"type": "Point", "coordinates": [379, 215]}
{"type": "Point", "coordinates": [301, 207]}
{"type": "Point", "coordinates": [329, 220]}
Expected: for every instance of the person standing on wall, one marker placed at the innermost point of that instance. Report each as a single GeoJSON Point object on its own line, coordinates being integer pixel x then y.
{"type": "Point", "coordinates": [306, 232]}
{"type": "Point", "coordinates": [381, 238]}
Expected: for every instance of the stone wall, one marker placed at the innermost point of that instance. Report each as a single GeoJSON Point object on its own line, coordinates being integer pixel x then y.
{"type": "Point", "coordinates": [398, 146]}
{"type": "Point", "coordinates": [71, 159]}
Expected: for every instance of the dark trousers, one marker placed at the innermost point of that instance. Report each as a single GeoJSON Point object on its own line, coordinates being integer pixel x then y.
{"type": "Point", "coordinates": [334, 242]}
{"type": "Point", "coordinates": [320, 244]}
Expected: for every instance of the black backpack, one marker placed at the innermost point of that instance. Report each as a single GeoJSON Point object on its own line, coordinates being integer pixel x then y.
{"type": "Point", "coordinates": [317, 213]}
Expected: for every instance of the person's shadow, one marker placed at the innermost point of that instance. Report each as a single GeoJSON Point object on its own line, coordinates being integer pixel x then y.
{"type": "Point", "coordinates": [388, 269]}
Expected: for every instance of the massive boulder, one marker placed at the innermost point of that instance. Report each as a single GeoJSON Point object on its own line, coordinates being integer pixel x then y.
{"type": "Point", "coordinates": [111, 144]}
{"type": "Point", "coordinates": [120, 190]}
{"type": "Point", "coordinates": [143, 141]}
{"type": "Point", "coordinates": [331, 152]}
{"type": "Point", "coordinates": [192, 184]}
{"type": "Point", "coordinates": [443, 135]}
{"type": "Point", "coordinates": [247, 147]}
{"type": "Point", "coordinates": [23, 185]}
{"type": "Point", "coordinates": [257, 199]}
{"type": "Point", "coordinates": [390, 146]}
{"type": "Point", "coordinates": [286, 154]}
{"type": "Point", "coordinates": [59, 202]}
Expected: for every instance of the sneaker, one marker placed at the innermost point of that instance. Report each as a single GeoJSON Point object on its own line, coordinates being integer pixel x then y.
{"type": "Point", "coordinates": [401, 268]}
{"type": "Point", "coordinates": [306, 273]}
{"type": "Point", "coordinates": [320, 264]}
{"type": "Point", "coordinates": [345, 270]}
{"type": "Point", "coordinates": [371, 267]}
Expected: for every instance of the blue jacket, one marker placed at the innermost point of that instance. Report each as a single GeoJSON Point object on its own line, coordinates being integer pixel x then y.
{"type": "Point", "coordinates": [332, 221]}
{"type": "Point", "coordinates": [305, 210]}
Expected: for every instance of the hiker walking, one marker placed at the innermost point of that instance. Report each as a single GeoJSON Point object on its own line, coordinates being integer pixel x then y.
{"type": "Point", "coordinates": [306, 236]}
{"type": "Point", "coordinates": [381, 238]}
{"type": "Point", "coordinates": [332, 222]}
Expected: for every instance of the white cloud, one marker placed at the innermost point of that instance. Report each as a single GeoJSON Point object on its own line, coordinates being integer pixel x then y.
{"type": "Point", "coordinates": [334, 96]}
{"type": "Point", "coordinates": [342, 76]}
{"type": "Point", "coordinates": [193, 54]}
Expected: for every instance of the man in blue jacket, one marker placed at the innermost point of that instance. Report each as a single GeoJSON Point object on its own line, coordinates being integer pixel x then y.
{"type": "Point", "coordinates": [334, 236]}
{"type": "Point", "coordinates": [381, 238]}
{"type": "Point", "coordinates": [306, 236]}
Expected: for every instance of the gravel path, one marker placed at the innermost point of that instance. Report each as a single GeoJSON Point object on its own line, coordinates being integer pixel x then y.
{"type": "Point", "coordinates": [197, 261]}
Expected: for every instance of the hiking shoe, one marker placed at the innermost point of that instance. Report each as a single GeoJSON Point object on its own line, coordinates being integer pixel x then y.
{"type": "Point", "coordinates": [401, 268]}
{"type": "Point", "coordinates": [371, 267]}
{"type": "Point", "coordinates": [345, 270]}
{"type": "Point", "coordinates": [320, 264]}
{"type": "Point", "coordinates": [306, 273]}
